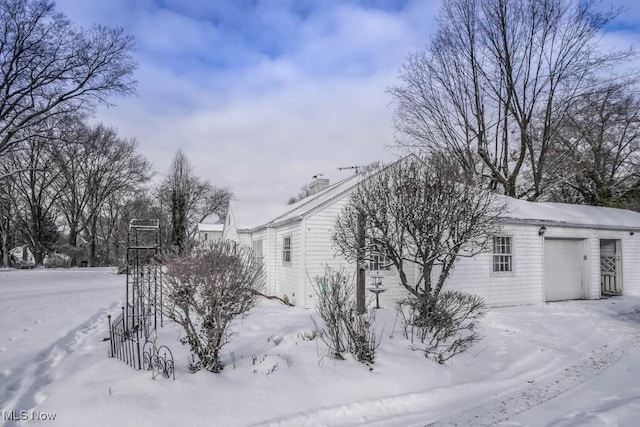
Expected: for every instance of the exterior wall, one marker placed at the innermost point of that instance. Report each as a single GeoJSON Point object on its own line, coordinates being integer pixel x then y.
{"type": "Point", "coordinates": [244, 238]}
{"type": "Point", "coordinates": [230, 231]}
{"type": "Point", "coordinates": [630, 246]}
{"type": "Point", "coordinates": [289, 277]}
{"type": "Point", "coordinates": [521, 286]}
{"type": "Point", "coordinates": [525, 285]}
{"type": "Point", "coordinates": [209, 236]}
{"type": "Point", "coordinates": [267, 259]}
{"type": "Point", "coordinates": [321, 251]}
{"type": "Point", "coordinates": [312, 249]}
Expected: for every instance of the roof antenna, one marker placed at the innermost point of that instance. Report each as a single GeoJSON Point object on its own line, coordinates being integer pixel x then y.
{"type": "Point", "coordinates": [361, 168]}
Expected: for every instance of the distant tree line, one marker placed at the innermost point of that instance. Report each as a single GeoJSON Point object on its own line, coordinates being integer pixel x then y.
{"type": "Point", "coordinates": [66, 185]}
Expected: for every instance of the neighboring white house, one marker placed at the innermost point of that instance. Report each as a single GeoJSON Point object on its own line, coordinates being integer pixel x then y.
{"type": "Point", "coordinates": [209, 232]}
{"type": "Point", "coordinates": [546, 252]}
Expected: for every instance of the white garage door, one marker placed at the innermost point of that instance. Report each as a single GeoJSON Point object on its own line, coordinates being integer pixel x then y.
{"type": "Point", "coordinates": [563, 261]}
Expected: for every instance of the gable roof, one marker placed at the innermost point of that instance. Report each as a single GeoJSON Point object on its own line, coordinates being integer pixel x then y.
{"type": "Point", "coordinates": [210, 227]}
{"type": "Point", "coordinates": [250, 215]}
{"type": "Point", "coordinates": [568, 215]}
{"type": "Point", "coordinates": [254, 216]}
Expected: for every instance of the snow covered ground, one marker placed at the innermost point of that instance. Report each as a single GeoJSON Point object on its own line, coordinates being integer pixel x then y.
{"type": "Point", "coordinates": [561, 364]}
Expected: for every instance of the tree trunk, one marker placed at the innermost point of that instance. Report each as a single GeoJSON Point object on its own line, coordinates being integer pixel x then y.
{"type": "Point", "coordinates": [360, 285]}
{"type": "Point", "coordinates": [73, 242]}
{"type": "Point", "coordinates": [5, 249]}
{"type": "Point", "coordinates": [92, 242]}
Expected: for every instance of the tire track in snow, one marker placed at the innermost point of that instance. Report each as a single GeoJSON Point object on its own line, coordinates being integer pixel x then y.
{"type": "Point", "coordinates": [422, 408]}
{"type": "Point", "coordinates": [502, 408]}
{"type": "Point", "coordinates": [22, 390]}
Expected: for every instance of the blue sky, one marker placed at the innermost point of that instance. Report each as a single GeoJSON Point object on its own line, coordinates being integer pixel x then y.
{"type": "Point", "coordinates": [262, 95]}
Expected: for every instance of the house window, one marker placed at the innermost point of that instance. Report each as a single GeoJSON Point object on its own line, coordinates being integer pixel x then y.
{"type": "Point", "coordinates": [502, 254]}
{"type": "Point", "coordinates": [378, 261]}
{"type": "Point", "coordinates": [206, 236]}
{"type": "Point", "coordinates": [257, 250]}
{"type": "Point", "coordinates": [286, 249]}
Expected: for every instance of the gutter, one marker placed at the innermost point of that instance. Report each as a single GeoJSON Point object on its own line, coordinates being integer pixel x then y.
{"type": "Point", "coordinates": [550, 223]}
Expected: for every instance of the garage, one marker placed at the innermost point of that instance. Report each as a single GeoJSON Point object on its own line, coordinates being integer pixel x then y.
{"type": "Point", "coordinates": [563, 269]}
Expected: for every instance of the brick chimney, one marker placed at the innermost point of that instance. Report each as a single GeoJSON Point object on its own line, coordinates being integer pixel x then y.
{"type": "Point", "coordinates": [318, 184]}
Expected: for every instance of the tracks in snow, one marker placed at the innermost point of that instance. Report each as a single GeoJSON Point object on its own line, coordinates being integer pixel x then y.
{"type": "Point", "coordinates": [421, 409]}
{"type": "Point", "coordinates": [21, 389]}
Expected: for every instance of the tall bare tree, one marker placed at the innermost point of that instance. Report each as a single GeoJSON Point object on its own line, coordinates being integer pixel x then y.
{"type": "Point", "coordinates": [496, 82]}
{"type": "Point", "coordinates": [95, 164]}
{"type": "Point", "coordinates": [49, 68]}
{"type": "Point", "coordinates": [598, 162]}
{"type": "Point", "coordinates": [35, 194]}
{"type": "Point", "coordinates": [7, 211]}
{"type": "Point", "coordinates": [420, 219]}
{"type": "Point", "coordinates": [189, 199]}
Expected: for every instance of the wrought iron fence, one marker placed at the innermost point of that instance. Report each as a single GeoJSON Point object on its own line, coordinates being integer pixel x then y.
{"type": "Point", "coordinates": [132, 334]}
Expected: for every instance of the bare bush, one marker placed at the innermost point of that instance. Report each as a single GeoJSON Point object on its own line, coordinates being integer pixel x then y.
{"type": "Point", "coordinates": [205, 291]}
{"type": "Point", "coordinates": [345, 330]}
{"type": "Point", "coordinates": [445, 325]}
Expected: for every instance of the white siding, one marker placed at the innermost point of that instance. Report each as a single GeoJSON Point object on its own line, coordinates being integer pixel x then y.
{"type": "Point", "coordinates": [319, 247]}
{"type": "Point", "coordinates": [631, 264]}
{"type": "Point", "coordinates": [521, 286]}
{"type": "Point", "coordinates": [312, 248]}
{"type": "Point", "coordinates": [321, 251]}
{"type": "Point", "coordinates": [289, 277]}
{"type": "Point", "coordinates": [230, 232]}
{"type": "Point", "coordinates": [244, 238]}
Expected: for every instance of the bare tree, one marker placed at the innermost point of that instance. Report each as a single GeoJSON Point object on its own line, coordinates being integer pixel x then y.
{"type": "Point", "coordinates": [205, 291]}
{"type": "Point", "coordinates": [420, 219]}
{"type": "Point", "coordinates": [496, 83]}
{"type": "Point", "coordinates": [50, 69]}
{"type": "Point", "coordinates": [598, 162]}
{"type": "Point", "coordinates": [189, 199]}
{"type": "Point", "coordinates": [100, 166]}
{"type": "Point", "coordinates": [303, 193]}
{"type": "Point", "coordinates": [35, 194]}
{"type": "Point", "coordinates": [7, 212]}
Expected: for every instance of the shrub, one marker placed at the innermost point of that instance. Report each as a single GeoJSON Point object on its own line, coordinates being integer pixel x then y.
{"type": "Point", "coordinates": [344, 328]}
{"type": "Point", "coordinates": [445, 325]}
{"type": "Point", "coordinates": [205, 291]}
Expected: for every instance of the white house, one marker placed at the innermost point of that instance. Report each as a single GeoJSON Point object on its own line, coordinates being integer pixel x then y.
{"type": "Point", "coordinates": [209, 232]}
{"type": "Point", "coordinates": [546, 252]}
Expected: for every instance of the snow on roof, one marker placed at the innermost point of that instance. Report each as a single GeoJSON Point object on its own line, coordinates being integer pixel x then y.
{"type": "Point", "coordinates": [571, 215]}
{"type": "Point", "coordinates": [249, 215]}
{"type": "Point", "coordinates": [210, 227]}
{"type": "Point", "coordinates": [297, 210]}
{"type": "Point", "coordinates": [254, 215]}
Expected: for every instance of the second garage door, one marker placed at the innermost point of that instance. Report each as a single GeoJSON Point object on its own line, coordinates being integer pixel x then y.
{"type": "Point", "coordinates": [563, 269]}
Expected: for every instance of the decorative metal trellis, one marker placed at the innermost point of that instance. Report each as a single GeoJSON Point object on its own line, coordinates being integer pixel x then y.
{"type": "Point", "coordinates": [133, 333]}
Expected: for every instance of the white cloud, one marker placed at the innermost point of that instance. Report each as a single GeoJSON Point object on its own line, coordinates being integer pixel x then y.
{"type": "Point", "coordinates": [263, 102]}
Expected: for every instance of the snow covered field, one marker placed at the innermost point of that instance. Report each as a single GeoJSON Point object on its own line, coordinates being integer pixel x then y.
{"type": "Point", "coordinates": [561, 364]}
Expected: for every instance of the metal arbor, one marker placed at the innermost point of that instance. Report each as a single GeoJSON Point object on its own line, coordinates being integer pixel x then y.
{"type": "Point", "coordinates": [133, 333]}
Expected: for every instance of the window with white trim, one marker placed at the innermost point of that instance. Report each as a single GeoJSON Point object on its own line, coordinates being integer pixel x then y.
{"type": "Point", "coordinates": [502, 254]}
{"type": "Point", "coordinates": [286, 249]}
{"type": "Point", "coordinates": [378, 261]}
